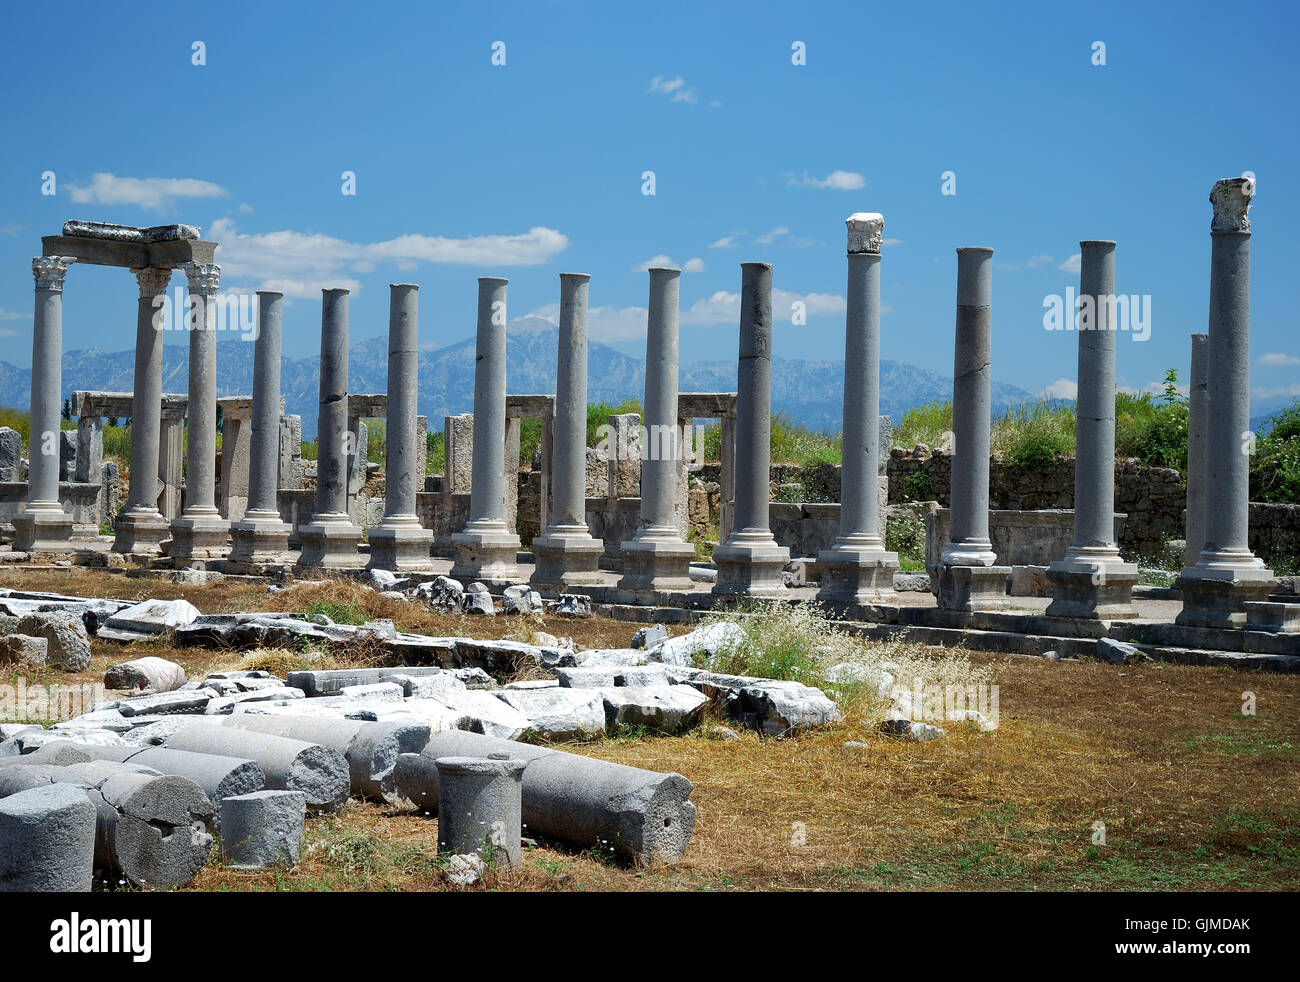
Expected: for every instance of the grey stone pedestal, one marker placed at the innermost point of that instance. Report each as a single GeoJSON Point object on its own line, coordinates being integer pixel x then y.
{"type": "Point", "coordinates": [967, 589]}
{"type": "Point", "coordinates": [480, 807]}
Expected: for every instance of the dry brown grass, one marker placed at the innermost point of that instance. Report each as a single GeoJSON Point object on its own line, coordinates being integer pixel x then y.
{"type": "Point", "coordinates": [1194, 794]}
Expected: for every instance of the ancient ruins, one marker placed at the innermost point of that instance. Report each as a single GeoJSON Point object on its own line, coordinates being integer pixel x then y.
{"type": "Point", "coordinates": [139, 785]}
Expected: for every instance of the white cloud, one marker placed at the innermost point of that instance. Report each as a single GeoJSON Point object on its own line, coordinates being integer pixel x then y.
{"type": "Point", "coordinates": [676, 88]}
{"type": "Point", "coordinates": [603, 323]}
{"type": "Point", "coordinates": [1277, 359]}
{"type": "Point", "coordinates": [245, 209]}
{"type": "Point", "coordinates": [726, 242]}
{"type": "Point", "coordinates": [839, 180]}
{"type": "Point", "coordinates": [695, 265]}
{"type": "Point", "coordinates": [722, 307]}
{"type": "Point", "coordinates": [1062, 388]}
{"type": "Point", "coordinates": [149, 193]}
{"type": "Point", "coordinates": [300, 264]}
{"type": "Point", "coordinates": [1073, 264]}
{"type": "Point", "coordinates": [11, 315]}
{"type": "Point", "coordinates": [1287, 390]}
{"type": "Point", "coordinates": [891, 242]}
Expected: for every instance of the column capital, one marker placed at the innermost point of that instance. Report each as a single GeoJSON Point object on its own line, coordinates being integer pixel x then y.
{"type": "Point", "coordinates": [865, 231]}
{"type": "Point", "coordinates": [204, 278]}
{"type": "Point", "coordinates": [50, 270]}
{"type": "Point", "coordinates": [1231, 200]}
{"type": "Point", "coordinates": [153, 280]}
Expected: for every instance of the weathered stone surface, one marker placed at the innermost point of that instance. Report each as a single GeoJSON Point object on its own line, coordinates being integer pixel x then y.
{"type": "Point", "coordinates": [723, 733]}
{"type": "Point", "coordinates": [477, 602]}
{"type": "Point", "coordinates": [442, 593]}
{"type": "Point", "coordinates": [436, 686]}
{"type": "Point", "coordinates": [464, 870]}
{"type": "Point", "coordinates": [47, 840]}
{"type": "Point", "coordinates": [1118, 652]}
{"type": "Point", "coordinates": [559, 714]}
{"type": "Point", "coordinates": [263, 830]}
{"type": "Point", "coordinates": [521, 600]}
{"type": "Point", "coordinates": [482, 712]}
{"type": "Point", "coordinates": [148, 619]}
{"type": "Point", "coordinates": [23, 650]}
{"type": "Point", "coordinates": [479, 807]}
{"type": "Point", "coordinates": [700, 643]}
{"type": "Point", "coordinates": [649, 636]}
{"type": "Point", "coordinates": [150, 672]}
{"type": "Point", "coordinates": [662, 708]}
{"type": "Point", "coordinates": [373, 692]}
{"type": "Point", "coordinates": [166, 703]}
{"type": "Point", "coordinates": [911, 582]}
{"type": "Point", "coordinates": [68, 644]}
{"type": "Point", "coordinates": [612, 657]}
{"type": "Point", "coordinates": [572, 605]}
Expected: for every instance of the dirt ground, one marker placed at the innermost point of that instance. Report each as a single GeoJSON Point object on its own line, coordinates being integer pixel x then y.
{"type": "Point", "coordinates": [1193, 789]}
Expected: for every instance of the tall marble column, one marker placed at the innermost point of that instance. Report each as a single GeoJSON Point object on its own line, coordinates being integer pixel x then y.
{"type": "Point", "coordinates": [260, 537]}
{"type": "Point", "coordinates": [856, 569]}
{"type": "Point", "coordinates": [1198, 413]}
{"type": "Point", "coordinates": [400, 543]}
{"type": "Point", "coordinates": [750, 563]}
{"type": "Point", "coordinates": [200, 533]}
{"type": "Point", "coordinates": [486, 549]}
{"type": "Point", "coordinates": [330, 539]}
{"type": "Point", "coordinates": [1092, 581]}
{"type": "Point", "coordinates": [566, 554]}
{"type": "Point", "coordinates": [656, 558]}
{"type": "Point", "coordinates": [968, 578]}
{"type": "Point", "coordinates": [43, 526]}
{"type": "Point", "coordinates": [141, 526]}
{"type": "Point", "coordinates": [1227, 574]}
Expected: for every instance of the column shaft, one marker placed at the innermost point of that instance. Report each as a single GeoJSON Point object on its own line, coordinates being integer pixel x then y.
{"type": "Point", "coordinates": [1198, 413]}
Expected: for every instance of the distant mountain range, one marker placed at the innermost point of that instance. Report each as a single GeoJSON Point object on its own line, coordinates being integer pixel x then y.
{"type": "Point", "coordinates": [809, 392]}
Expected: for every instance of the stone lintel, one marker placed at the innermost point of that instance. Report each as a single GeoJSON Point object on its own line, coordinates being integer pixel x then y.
{"type": "Point", "coordinates": [129, 255]}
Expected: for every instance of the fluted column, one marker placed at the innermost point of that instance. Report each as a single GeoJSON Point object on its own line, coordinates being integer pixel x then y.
{"type": "Point", "coordinates": [260, 537]}
{"type": "Point", "coordinates": [656, 558]}
{"type": "Point", "coordinates": [968, 578]}
{"type": "Point", "coordinates": [1198, 412]}
{"type": "Point", "coordinates": [750, 563]}
{"type": "Point", "coordinates": [856, 569]}
{"type": "Point", "coordinates": [400, 543]}
{"type": "Point", "coordinates": [141, 527]}
{"type": "Point", "coordinates": [200, 533]}
{"type": "Point", "coordinates": [1091, 580]}
{"type": "Point", "coordinates": [1227, 574]}
{"type": "Point", "coordinates": [43, 525]}
{"type": "Point", "coordinates": [486, 549]}
{"type": "Point", "coordinates": [330, 539]}
{"type": "Point", "coordinates": [566, 554]}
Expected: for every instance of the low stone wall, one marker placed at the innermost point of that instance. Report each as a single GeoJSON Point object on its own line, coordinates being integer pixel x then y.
{"type": "Point", "coordinates": [81, 501]}
{"type": "Point", "coordinates": [1020, 538]}
{"type": "Point", "coordinates": [1275, 533]}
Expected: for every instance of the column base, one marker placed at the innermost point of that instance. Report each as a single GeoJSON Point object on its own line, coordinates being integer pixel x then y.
{"type": "Point", "coordinates": [853, 574]}
{"type": "Point", "coordinates": [260, 538]}
{"type": "Point", "coordinates": [750, 564]}
{"type": "Point", "coordinates": [330, 541]}
{"type": "Point", "coordinates": [567, 556]}
{"type": "Point", "coordinates": [43, 526]}
{"type": "Point", "coordinates": [140, 532]}
{"type": "Point", "coordinates": [971, 588]}
{"type": "Point", "coordinates": [1216, 596]}
{"type": "Point", "coordinates": [656, 560]}
{"type": "Point", "coordinates": [1092, 589]}
{"type": "Point", "coordinates": [401, 544]}
{"type": "Point", "coordinates": [199, 537]}
{"type": "Point", "coordinates": [487, 552]}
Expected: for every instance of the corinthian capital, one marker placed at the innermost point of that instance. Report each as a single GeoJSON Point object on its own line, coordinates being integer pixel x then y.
{"type": "Point", "coordinates": [50, 270]}
{"type": "Point", "coordinates": [152, 280]}
{"type": "Point", "coordinates": [204, 278]}
{"type": "Point", "coordinates": [865, 230]}
{"type": "Point", "coordinates": [1231, 200]}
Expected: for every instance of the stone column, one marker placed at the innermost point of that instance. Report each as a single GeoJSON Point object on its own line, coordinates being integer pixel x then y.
{"type": "Point", "coordinates": [1198, 416]}
{"type": "Point", "coordinates": [856, 569]}
{"type": "Point", "coordinates": [399, 542]}
{"type": "Point", "coordinates": [200, 533]}
{"type": "Point", "coordinates": [330, 539]}
{"type": "Point", "coordinates": [566, 553]}
{"type": "Point", "coordinates": [171, 456]}
{"type": "Point", "coordinates": [260, 537]}
{"type": "Point", "coordinates": [141, 527]}
{"type": "Point", "coordinates": [486, 549]}
{"type": "Point", "coordinates": [1092, 581]}
{"type": "Point", "coordinates": [968, 578]}
{"type": "Point", "coordinates": [1227, 574]}
{"type": "Point", "coordinates": [657, 558]}
{"type": "Point", "coordinates": [43, 526]}
{"type": "Point", "coordinates": [750, 563]}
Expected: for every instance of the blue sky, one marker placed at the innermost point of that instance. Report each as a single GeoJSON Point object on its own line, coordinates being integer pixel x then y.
{"type": "Point", "coordinates": [464, 168]}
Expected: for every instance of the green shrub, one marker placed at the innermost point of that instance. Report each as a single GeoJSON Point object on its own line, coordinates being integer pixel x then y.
{"type": "Point", "coordinates": [905, 535]}
{"type": "Point", "coordinates": [598, 414]}
{"type": "Point", "coordinates": [924, 424]}
{"type": "Point", "coordinates": [1153, 429]}
{"type": "Point", "coordinates": [794, 443]}
{"type": "Point", "coordinates": [436, 458]}
{"type": "Point", "coordinates": [1275, 463]}
{"type": "Point", "coordinates": [1034, 435]}
{"type": "Point", "coordinates": [918, 487]}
